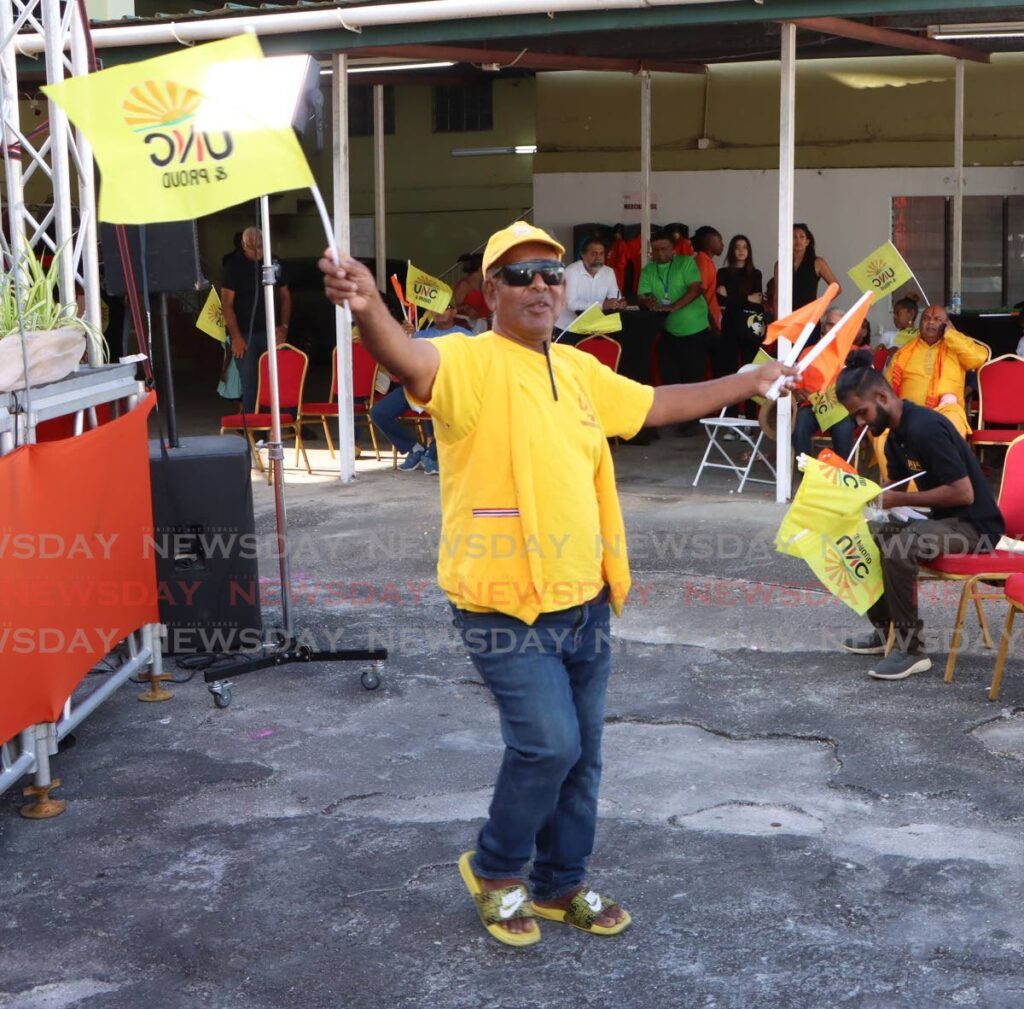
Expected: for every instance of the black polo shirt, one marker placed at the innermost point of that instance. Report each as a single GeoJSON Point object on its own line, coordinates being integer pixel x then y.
{"type": "Point", "coordinates": [926, 442]}
{"type": "Point", "coordinates": [244, 276]}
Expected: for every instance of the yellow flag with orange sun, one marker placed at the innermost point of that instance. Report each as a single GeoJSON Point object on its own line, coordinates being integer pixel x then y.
{"type": "Point", "coordinates": [177, 137]}
{"type": "Point", "coordinates": [825, 526]}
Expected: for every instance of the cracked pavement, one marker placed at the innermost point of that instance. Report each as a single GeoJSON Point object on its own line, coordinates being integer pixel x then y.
{"type": "Point", "coordinates": [787, 833]}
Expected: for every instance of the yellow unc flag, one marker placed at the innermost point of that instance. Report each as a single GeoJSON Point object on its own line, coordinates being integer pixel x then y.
{"type": "Point", "coordinates": [593, 320]}
{"type": "Point", "coordinates": [825, 494]}
{"type": "Point", "coordinates": [180, 136]}
{"type": "Point", "coordinates": [426, 291]}
{"type": "Point", "coordinates": [211, 318]}
{"type": "Point", "coordinates": [883, 271]}
{"type": "Point", "coordinates": [845, 559]}
{"type": "Point", "coordinates": [827, 408]}
{"type": "Point", "coordinates": [825, 527]}
{"type": "Point", "coordinates": [761, 357]}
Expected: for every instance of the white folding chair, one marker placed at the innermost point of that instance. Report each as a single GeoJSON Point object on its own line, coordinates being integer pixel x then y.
{"type": "Point", "coordinates": [744, 428]}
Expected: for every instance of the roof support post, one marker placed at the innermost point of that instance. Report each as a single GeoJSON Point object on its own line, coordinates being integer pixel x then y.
{"type": "Point", "coordinates": [645, 165]}
{"type": "Point", "coordinates": [956, 257]}
{"type": "Point", "coordinates": [784, 290]}
{"type": "Point", "coordinates": [343, 236]}
{"type": "Point", "coordinates": [378, 186]}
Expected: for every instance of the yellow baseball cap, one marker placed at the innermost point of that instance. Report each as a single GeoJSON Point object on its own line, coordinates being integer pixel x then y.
{"type": "Point", "coordinates": [515, 234]}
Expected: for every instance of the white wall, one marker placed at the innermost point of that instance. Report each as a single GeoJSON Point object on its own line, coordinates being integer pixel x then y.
{"type": "Point", "coordinates": [847, 209]}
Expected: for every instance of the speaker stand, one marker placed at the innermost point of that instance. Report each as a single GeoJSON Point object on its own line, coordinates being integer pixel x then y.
{"type": "Point", "coordinates": [165, 358]}
{"type": "Point", "coordinates": [217, 673]}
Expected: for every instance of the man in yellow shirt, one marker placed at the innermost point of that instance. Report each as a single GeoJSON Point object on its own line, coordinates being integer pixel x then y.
{"type": "Point", "coordinates": [931, 369]}
{"type": "Point", "coordinates": [532, 555]}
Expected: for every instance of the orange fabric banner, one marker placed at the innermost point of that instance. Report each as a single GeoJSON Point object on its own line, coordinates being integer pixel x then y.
{"type": "Point", "coordinates": [77, 565]}
{"type": "Point", "coordinates": [792, 325]}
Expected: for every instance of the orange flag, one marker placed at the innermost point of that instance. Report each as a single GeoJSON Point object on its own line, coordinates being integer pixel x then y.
{"type": "Point", "coordinates": [832, 458]}
{"type": "Point", "coordinates": [827, 365]}
{"type": "Point", "coordinates": [792, 325]}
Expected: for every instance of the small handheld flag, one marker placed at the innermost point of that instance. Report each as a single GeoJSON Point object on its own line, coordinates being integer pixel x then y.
{"type": "Point", "coordinates": [881, 272]}
{"type": "Point", "coordinates": [211, 318]}
{"type": "Point", "coordinates": [426, 291]}
{"type": "Point", "coordinates": [593, 320]}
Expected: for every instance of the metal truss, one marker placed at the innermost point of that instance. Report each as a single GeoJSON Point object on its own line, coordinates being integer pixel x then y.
{"type": "Point", "coordinates": [62, 155]}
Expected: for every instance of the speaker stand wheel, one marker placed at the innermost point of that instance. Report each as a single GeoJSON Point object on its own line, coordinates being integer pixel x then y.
{"type": "Point", "coordinates": [156, 693]}
{"type": "Point", "coordinates": [370, 678]}
{"type": "Point", "coordinates": [44, 808]}
{"type": "Point", "coordinates": [221, 692]}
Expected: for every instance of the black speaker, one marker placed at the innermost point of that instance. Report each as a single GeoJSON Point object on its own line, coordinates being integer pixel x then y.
{"type": "Point", "coordinates": [172, 258]}
{"type": "Point", "coordinates": [204, 539]}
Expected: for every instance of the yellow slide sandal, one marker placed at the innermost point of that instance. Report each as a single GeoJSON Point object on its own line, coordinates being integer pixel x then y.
{"type": "Point", "coordinates": [583, 909]}
{"type": "Point", "coordinates": [496, 906]}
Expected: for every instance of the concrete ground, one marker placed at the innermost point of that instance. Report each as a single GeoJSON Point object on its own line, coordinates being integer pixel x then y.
{"type": "Point", "coordinates": [787, 833]}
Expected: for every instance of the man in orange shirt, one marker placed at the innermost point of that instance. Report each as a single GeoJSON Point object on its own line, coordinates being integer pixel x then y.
{"type": "Point", "coordinates": [708, 243]}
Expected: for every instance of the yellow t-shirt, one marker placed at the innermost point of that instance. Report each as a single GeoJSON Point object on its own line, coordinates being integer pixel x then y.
{"type": "Point", "coordinates": [528, 500]}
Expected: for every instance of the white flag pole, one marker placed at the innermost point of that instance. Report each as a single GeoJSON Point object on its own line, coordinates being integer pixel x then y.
{"type": "Point", "coordinates": [856, 445]}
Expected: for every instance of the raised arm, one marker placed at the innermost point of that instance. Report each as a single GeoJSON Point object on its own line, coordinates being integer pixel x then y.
{"type": "Point", "coordinates": [971, 354]}
{"type": "Point", "coordinates": [676, 404]}
{"type": "Point", "coordinates": [413, 362]}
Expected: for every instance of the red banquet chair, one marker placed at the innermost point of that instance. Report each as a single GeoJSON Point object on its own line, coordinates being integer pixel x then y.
{"type": "Point", "coordinates": [1014, 591]}
{"type": "Point", "coordinates": [1000, 401]}
{"type": "Point", "coordinates": [606, 350]}
{"type": "Point", "coordinates": [991, 568]}
{"type": "Point", "coordinates": [292, 364]}
{"type": "Point", "coordinates": [321, 411]}
{"type": "Point", "coordinates": [364, 373]}
{"type": "Point", "coordinates": [881, 358]}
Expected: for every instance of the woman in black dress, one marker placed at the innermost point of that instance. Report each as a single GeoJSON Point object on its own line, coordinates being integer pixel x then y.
{"type": "Point", "coordinates": [739, 294]}
{"type": "Point", "coordinates": [809, 269]}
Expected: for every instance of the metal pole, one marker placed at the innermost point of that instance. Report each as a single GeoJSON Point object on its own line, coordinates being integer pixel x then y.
{"type": "Point", "coordinates": [645, 166]}
{"type": "Point", "coordinates": [12, 126]}
{"type": "Point", "coordinates": [784, 288]}
{"type": "Point", "coordinates": [956, 257]}
{"type": "Point", "coordinates": [60, 171]}
{"type": "Point", "coordinates": [90, 262]}
{"type": "Point", "coordinates": [343, 236]}
{"type": "Point", "coordinates": [275, 450]}
{"type": "Point", "coordinates": [165, 361]}
{"type": "Point", "coordinates": [378, 185]}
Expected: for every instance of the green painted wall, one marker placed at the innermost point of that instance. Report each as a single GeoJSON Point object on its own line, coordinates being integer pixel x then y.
{"type": "Point", "coordinates": [887, 112]}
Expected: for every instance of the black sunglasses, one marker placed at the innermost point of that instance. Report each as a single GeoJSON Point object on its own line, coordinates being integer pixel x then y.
{"type": "Point", "coordinates": [521, 274]}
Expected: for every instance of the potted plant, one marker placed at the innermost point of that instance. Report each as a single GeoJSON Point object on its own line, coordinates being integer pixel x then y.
{"type": "Point", "coordinates": [55, 334]}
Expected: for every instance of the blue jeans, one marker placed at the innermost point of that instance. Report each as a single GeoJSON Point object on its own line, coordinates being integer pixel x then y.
{"type": "Point", "coordinates": [385, 414]}
{"type": "Point", "coordinates": [806, 426]}
{"type": "Point", "coordinates": [550, 681]}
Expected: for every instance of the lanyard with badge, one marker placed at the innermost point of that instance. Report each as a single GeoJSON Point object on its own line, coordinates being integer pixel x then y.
{"type": "Point", "coordinates": [665, 280]}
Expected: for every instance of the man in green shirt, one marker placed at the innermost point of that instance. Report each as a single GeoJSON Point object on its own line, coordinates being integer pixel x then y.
{"type": "Point", "coordinates": [671, 284]}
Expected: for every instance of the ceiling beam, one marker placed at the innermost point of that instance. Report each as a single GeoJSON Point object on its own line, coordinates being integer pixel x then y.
{"type": "Point", "coordinates": [529, 59]}
{"type": "Point", "coordinates": [891, 39]}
